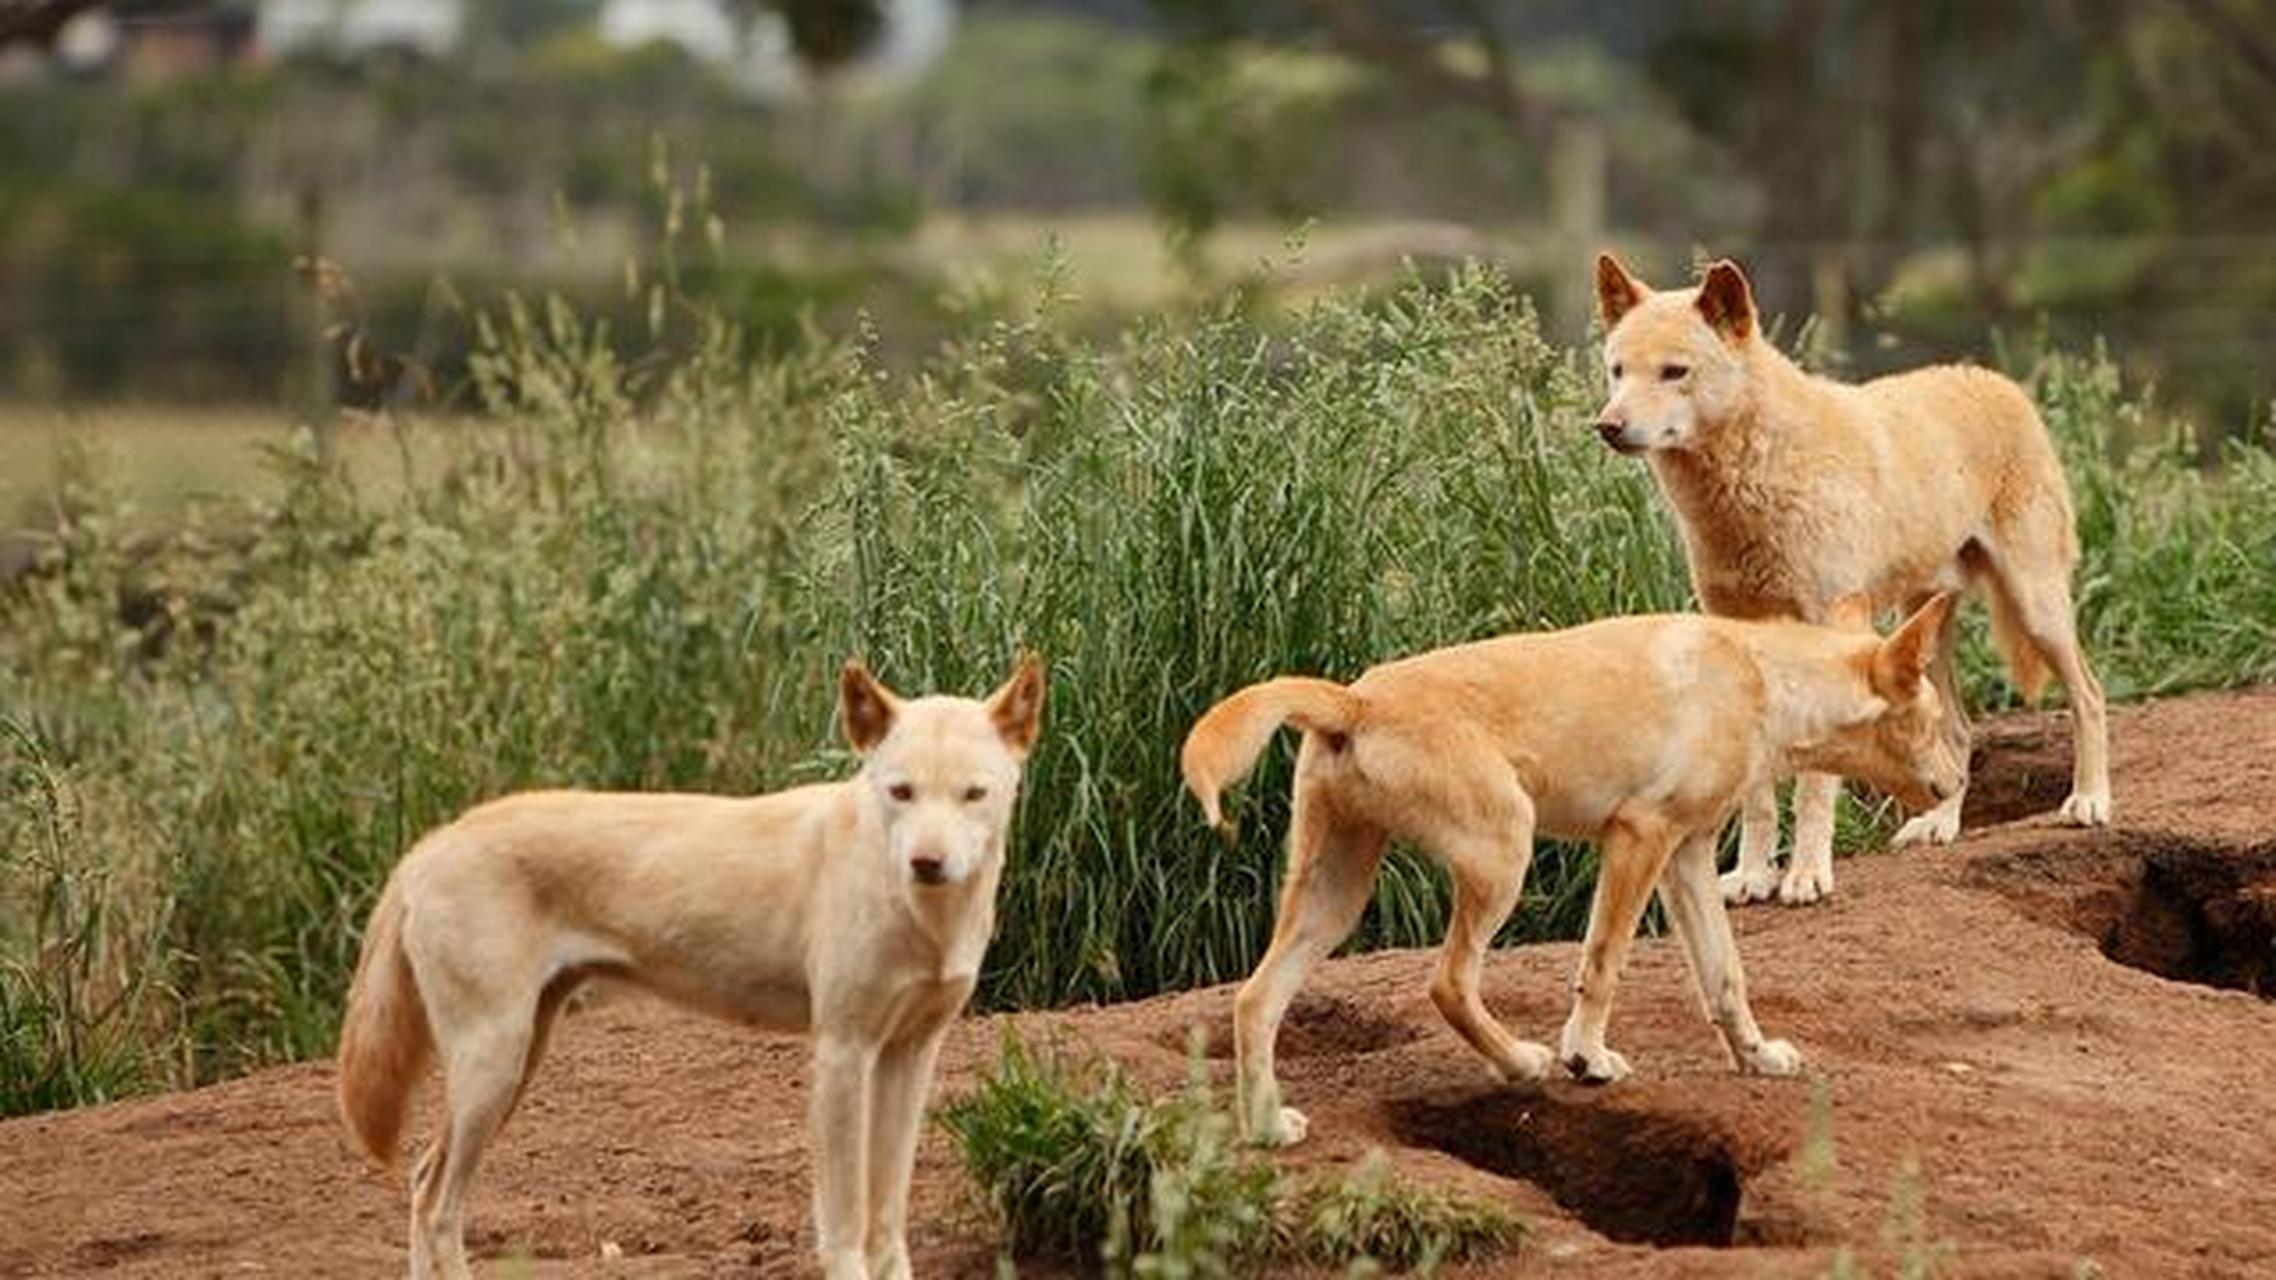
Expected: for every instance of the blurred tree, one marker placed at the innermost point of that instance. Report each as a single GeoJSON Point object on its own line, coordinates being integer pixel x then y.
{"type": "Point", "coordinates": [1874, 126]}
{"type": "Point", "coordinates": [2244, 28]}
{"type": "Point", "coordinates": [1870, 128]}
{"type": "Point", "coordinates": [1206, 151]}
{"type": "Point", "coordinates": [825, 35]}
{"type": "Point", "coordinates": [38, 21]}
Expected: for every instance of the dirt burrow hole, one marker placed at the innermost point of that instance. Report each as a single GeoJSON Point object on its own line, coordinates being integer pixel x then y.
{"type": "Point", "coordinates": [2199, 913]}
{"type": "Point", "coordinates": [1636, 1177]}
{"type": "Point", "coordinates": [1316, 1026]}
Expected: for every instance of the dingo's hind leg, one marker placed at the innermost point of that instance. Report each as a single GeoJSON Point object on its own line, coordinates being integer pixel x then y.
{"type": "Point", "coordinates": [1489, 877]}
{"type": "Point", "coordinates": [2041, 599]}
{"type": "Point", "coordinates": [483, 1063]}
{"type": "Point", "coordinates": [1331, 871]}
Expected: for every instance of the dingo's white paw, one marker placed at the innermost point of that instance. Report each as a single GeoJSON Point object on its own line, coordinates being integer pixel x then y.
{"type": "Point", "coordinates": [1772, 1058]}
{"type": "Point", "coordinates": [1533, 1063]}
{"type": "Point", "coordinates": [2087, 809]}
{"type": "Point", "coordinates": [1288, 1128]}
{"type": "Point", "coordinates": [1745, 885]}
{"type": "Point", "coordinates": [1589, 1064]}
{"type": "Point", "coordinates": [1937, 826]}
{"type": "Point", "coordinates": [1596, 1066]}
{"type": "Point", "coordinates": [1805, 884]}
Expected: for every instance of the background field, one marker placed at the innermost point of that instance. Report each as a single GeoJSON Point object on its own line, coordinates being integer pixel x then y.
{"type": "Point", "coordinates": [221, 731]}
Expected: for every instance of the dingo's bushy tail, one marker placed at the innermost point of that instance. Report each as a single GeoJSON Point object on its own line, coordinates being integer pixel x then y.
{"type": "Point", "coordinates": [384, 1039]}
{"type": "Point", "coordinates": [2025, 664]}
{"type": "Point", "coordinates": [1224, 743]}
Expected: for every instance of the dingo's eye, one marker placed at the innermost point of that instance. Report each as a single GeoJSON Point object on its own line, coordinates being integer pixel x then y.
{"type": "Point", "coordinates": [1674, 372]}
{"type": "Point", "coordinates": [1619, 371]}
{"type": "Point", "coordinates": [902, 792]}
{"type": "Point", "coordinates": [973, 795]}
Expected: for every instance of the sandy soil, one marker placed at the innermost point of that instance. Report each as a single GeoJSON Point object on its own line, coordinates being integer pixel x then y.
{"type": "Point", "coordinates": [1999, 1079]}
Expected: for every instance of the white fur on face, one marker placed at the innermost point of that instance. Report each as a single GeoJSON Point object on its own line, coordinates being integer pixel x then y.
{"type": "Point", "coordinates": [1667, 372]}
{"type": "Point", "coordinates": [944, 779]}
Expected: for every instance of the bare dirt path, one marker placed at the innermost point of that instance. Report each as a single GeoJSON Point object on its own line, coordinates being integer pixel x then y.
{"type": "Point", "coordinates": [1995, 1092]}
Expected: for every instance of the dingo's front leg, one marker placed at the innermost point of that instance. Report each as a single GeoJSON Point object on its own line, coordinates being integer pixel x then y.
{"type": "Point", "coordinates": [1754, 879]}
{"type": "Point", "coordinates": [843, 1066]}
{"type": "Point", "coordinates": [1809, 875]}
{"type": "Point", "coordinates": [1687, 890]}
{"type": "Point", "coordinates": [1940, 825]}
{"type": "Point", "coordinates": [1635, 852]}
{"type": "Point", "coordinates": [896, 1118]}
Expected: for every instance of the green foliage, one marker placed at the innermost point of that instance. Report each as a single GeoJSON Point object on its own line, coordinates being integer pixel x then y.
{"type": "Point", "coordinates": [2177, 575]}
{"type": "Point", "coordinates": [68, 1000]}
{"type": "Point", "coordinates": [641, 568]}
{"type": "Point", "coordinates": [1077, 1165]}
{"type": "Point", "coordinates": [1370, 1215]}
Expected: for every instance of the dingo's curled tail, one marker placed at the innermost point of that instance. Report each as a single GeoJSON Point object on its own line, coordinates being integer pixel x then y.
{"type": "Point", "coordinates": [1225, 742]}
{"type": "Point", "coordinates": [384, 1038]}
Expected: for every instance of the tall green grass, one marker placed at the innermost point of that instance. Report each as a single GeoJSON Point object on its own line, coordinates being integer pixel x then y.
{"type": "Point", "coordinates": [643, 570]}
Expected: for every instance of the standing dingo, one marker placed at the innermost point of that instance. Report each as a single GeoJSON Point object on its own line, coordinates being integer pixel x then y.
{"type": "Point", "coordinates": [856, 911]}
{"type": "Point", "coordinates": [1794, 492]}
{"type": "Point", "coordinates": [1641, 732]}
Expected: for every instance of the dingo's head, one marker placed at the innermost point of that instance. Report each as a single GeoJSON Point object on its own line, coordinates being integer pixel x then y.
{"type": "Point", "coordinates": [1676, 360]}
{"type": "Point", "coordinates": [943, 771]}
{"type": "Point", "coordinates": [1896, 737]}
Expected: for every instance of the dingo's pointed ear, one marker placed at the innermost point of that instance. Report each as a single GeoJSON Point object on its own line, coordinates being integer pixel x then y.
{"type": "Point", "coordinates": [1905, 656]}
{"type": "Point", "coordinates": [1726, 301]}
{"type": "Point", "coordinates": [1017, 708]}
{"type": "Point", "coordinates": [866, 707]}
{"type": "Point", "coordinates": [1617, 292]}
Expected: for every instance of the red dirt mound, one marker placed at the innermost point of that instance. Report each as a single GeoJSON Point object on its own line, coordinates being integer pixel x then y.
{"type": "Point", "coordinates": [2033, 1051]}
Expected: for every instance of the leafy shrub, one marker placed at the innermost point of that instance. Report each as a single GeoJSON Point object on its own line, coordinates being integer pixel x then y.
{"type": "Point", "coordinates": [1369, 1214]}
{"type": "Point", "coordinates": [1077, 1165]}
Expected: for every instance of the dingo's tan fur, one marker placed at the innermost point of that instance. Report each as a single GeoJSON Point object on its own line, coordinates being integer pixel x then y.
{"type": "Point", "coordinates": [855, 910]}
{"type": "Point", "coordinates": [1795, 492]}
{"type": "Point", "coordinates": [1640, 732]}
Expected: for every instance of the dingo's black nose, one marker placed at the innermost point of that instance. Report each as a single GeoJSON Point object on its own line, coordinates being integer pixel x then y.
{"type": "Point", "coordinates": [1610, 430]}
{"type": "Point", "coordinates": [928, 870]}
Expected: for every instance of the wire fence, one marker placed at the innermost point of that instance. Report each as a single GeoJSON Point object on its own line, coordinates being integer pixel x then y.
{"type": "Point", "coordinates": [79, 324]}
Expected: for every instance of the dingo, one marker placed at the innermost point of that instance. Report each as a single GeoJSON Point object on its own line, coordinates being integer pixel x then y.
{"type": "Point", "coordinates": [1642, 732]}
{"type": "Point", "coordinates": [1794, 492]}
{"type": "Point", "coordinates": [857, 910]}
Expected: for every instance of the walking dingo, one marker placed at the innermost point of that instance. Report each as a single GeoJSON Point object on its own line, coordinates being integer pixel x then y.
{"type": "Point", "coordinates": [1640, 732]}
